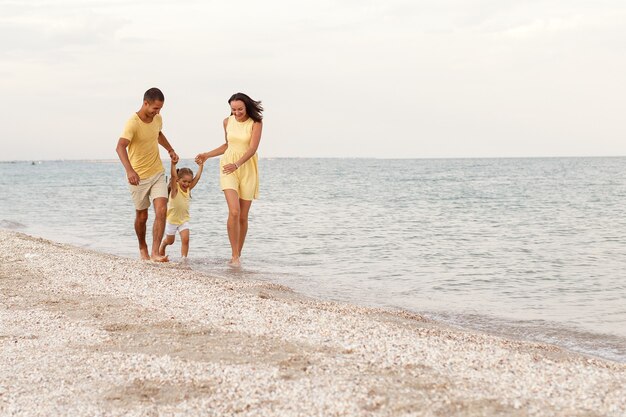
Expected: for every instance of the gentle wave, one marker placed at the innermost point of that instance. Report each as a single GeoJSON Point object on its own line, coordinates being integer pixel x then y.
{"type": "Point", "coordinates": [11, 225]}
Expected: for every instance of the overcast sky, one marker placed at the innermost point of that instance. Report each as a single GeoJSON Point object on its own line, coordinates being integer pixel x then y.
{"type": "Point", "coordinates": [342, 78]}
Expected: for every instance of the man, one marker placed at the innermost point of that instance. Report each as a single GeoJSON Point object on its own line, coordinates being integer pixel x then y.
{"type": "Point", "coordinates": [138, 149]}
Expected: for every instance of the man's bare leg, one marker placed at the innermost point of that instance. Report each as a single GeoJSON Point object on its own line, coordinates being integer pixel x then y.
{"type": "Point", "coordinates": [158, 228]}
{"type": "Point", "coordinates": [141, 218]}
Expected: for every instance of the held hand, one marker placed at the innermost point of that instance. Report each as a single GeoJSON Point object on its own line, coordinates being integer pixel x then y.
{"type": "Point", "coordinates": [173, 156]}
{"type": "Point", "coordinates": [229, 168]}
{"type": "Point", "coordinates": [133, 178]}
{"type": "Point", "coordinates": [200, 159]}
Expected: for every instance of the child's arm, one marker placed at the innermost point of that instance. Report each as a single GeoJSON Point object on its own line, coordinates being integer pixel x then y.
{"type": "Point", "coordinates": [173, 179]}
{"type": "Point", "coordinates": [197, 177]}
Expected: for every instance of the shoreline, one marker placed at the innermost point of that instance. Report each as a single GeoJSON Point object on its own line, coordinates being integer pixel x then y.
{"type": "Point", "coordinates": [577, 340]}
{"type": "Point", "coordinates": [88, 333]}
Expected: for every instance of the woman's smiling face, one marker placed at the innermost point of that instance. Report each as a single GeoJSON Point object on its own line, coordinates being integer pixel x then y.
{"type": "Point", "coordinates": [238, 109]}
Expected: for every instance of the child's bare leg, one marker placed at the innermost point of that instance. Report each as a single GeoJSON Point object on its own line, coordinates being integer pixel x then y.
{"type": "Point", "coordinates": [184, 239]}
{"type": "Point", "coordinates": [169, 239]}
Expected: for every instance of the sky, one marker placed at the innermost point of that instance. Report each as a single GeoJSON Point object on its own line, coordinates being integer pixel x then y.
{"type": "Point", "coordinates": [342, 78]}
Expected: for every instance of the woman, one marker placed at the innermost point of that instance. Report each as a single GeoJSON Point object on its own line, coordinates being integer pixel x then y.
{"type": "Point", "coordinates": [239, 173]}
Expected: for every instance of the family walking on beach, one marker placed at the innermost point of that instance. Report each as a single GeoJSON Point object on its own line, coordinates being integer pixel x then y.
{"type": "Point", "coordinates": [138, 150]}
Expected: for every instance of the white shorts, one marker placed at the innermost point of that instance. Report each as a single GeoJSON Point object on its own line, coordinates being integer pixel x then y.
{"type": "Point", "coordinates": [171, 229]}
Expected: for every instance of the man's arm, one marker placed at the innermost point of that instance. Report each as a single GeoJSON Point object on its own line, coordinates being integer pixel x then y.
{"type": "Point", "coordinates": [166, 144]}
{"type": "Point", "coordinates": [122, 152]}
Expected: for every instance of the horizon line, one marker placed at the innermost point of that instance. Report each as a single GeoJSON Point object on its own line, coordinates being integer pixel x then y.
{"type": "Point", "coordinates": [111, 160]}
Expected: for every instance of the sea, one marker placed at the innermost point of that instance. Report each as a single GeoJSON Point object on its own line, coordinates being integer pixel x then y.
{"type": "Point", "coordinates": [526, 248]}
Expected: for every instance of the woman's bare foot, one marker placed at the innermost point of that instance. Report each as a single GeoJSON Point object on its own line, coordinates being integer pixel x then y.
{"type": "Point", "coordinates": [234, 263]}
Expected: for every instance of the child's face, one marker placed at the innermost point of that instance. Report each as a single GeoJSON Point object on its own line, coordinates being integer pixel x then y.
{"type": "Point", "coordinates": [185, 181]}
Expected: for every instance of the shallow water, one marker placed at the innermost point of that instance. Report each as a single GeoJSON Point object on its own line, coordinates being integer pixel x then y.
{"type": "Point", "coordinates": [529, 248]}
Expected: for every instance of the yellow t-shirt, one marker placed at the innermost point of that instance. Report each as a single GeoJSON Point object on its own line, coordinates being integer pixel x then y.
{"type": "Point", "coordinates": [178, 207]}
{"type": "Point", "coordinates": [143, 150]}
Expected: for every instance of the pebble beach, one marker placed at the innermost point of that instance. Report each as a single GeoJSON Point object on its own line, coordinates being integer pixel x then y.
{"type": "Point", "coordinates": [84, 333]}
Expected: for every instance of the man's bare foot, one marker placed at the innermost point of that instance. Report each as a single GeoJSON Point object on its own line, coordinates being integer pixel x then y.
{"type": "Point", "coordinates": [143, 254]}
{"type": "Point", "coordinates": [159, 258]}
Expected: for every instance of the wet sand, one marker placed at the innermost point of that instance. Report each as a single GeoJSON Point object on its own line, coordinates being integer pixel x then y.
{"type": "Point", "coordinates": [89, 334]}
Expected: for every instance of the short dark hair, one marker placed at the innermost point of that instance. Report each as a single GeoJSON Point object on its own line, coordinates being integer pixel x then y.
{"type": "Point", "coordinates": [153, 94]}
{"type": "Point", "coordinates": [254, 109]}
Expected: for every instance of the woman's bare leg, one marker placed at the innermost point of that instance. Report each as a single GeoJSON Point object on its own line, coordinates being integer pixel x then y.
{"type": "Point", "coordinates": [244, 206]}
{"type": "Point", "coordinates": [232, 225]}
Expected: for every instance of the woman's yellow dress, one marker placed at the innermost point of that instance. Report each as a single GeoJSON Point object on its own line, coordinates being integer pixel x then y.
{"type": "Point", "coordinates": [245, 179]}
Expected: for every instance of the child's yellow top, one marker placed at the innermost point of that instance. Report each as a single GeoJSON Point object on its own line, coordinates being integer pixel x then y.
{"type": "Point", "coordinates": [178, 207]}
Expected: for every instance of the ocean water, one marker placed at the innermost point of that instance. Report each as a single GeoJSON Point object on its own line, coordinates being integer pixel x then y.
{"type": "Point", "coordinates": [529, 248]}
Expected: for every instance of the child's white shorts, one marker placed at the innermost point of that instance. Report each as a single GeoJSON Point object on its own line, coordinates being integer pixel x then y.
{"type": "Point", "coordinates": [171, 229]}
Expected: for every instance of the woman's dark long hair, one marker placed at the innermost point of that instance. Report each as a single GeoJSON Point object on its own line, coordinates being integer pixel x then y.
{"type": "Point", "coordinates": [253, 108]}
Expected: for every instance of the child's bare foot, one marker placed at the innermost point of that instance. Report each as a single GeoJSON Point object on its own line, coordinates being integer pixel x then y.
{"type": "Point", "coordinates": [234, 263]}
{"type": "Point", "coordinates": [162, 249]}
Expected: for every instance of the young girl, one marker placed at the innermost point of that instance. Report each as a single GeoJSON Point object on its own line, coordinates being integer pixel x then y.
{"type": "Point", "coordinates": [181, 183]}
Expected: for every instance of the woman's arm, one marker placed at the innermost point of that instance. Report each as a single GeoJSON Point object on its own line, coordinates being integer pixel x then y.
{"type": "Point", "coordinates": [202, 157]}
{"type": "Point", "coordinates": [257, 128]}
